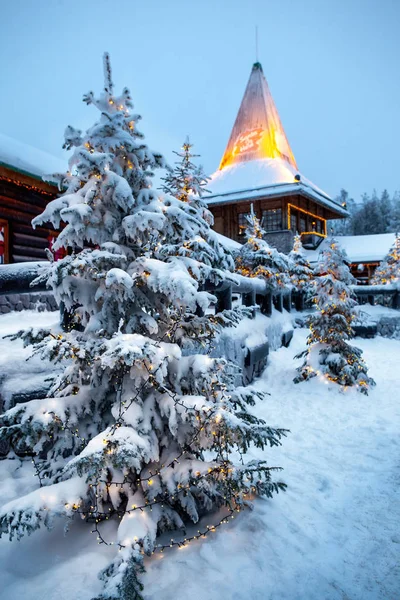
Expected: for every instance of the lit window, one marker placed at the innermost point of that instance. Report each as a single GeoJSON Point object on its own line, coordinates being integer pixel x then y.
{"type": "Point", "coordinates": [293, 221]}
{"type": "Point", "coordinates": [272, 219]}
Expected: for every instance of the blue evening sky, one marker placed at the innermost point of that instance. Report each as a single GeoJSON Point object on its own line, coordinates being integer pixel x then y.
{"type": "Point", "coordinates": [332, 66]}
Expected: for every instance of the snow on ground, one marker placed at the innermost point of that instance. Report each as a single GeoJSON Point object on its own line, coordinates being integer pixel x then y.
{"type": "Point", "coordinates": [333, 535]}
{"type": "Point", "coordinates": [17, 373]}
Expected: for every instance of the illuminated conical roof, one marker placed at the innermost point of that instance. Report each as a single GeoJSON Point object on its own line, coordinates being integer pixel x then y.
{"type": "Point", "coordinates": [257, 132]}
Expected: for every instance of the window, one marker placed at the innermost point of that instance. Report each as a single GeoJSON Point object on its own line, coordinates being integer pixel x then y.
{"type": "Point", "coordinates": [3, 242]}
{"type": "Point", "coordinates": [302, 223]}
{"type": "Point", "coordinates": [272, 219]}
{"type": "Point", "coordinates": [242, 223]}
{"type": "Point", "coordinates": [293, 221]}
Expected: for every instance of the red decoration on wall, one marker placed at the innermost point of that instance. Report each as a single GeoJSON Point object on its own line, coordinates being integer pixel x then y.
{"type": "Point", "coordinates": [2, 244]}
{"type": "Point", "coordinates": [60, 252]}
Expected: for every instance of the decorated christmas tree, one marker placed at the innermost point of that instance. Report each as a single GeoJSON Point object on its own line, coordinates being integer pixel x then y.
{"type": "Point", "coordinates": [257, 259]}
{"type": "Point", "coordinates": [300, 272]}
{"type": "Point", "coordinates": [138, 432]}
{"type": "Point", "coordinates": [329, 355]}
{"type": "Point", "coordinates": [388, 271]}
{"type": "Point", "coordinates": [187, 182]}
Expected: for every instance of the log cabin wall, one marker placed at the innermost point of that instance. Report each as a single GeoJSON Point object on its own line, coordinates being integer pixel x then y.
{"type": "Point", "coordinates": [296, 212]}
{"type": "Point", "coordinates": [23, 197]}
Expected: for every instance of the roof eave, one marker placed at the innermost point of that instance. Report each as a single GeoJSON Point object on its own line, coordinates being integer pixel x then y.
{"type": "Point", "coordinates": [275, 191]}
{"type": "Point", "coordinates": [22, 171]}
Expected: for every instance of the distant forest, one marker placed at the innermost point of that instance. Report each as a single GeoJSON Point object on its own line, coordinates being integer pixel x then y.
{"type": "Point", "coordinates": [374, 214]}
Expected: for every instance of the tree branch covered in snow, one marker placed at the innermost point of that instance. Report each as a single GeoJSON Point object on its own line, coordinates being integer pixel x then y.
{"type": "Point", "coordinates": [257, 259]}
{"type": "Point", "coordinates": [388, 272]}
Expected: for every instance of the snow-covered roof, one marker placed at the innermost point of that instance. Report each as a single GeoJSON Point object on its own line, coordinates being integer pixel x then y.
{"type": "Point", "coordinates": [21, 157]}
{"type": "Point", "coordinates": [261, 178]}
{"type": "Point", "coordinates": [359, 248]}
{"type": "Point", "coordinates": [228, 242]}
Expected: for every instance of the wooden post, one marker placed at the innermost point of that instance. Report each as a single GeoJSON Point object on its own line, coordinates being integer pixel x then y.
{"type": "Point", "coordinates": [371, 299]}
{"type": "Point", "coordinates": [277, 300]}
{"type": "Point", "coordinates": [224, 299]}
{"type": "Point", "coordinates": [249, 299]}
{"type": "Point", "coordinates": [300, 301]}
{"type": "Point", "coordinates": [396, 300]}
{"type": "Point", "coordinates": [287, 301]}
{"type": "Point", "coordinates": [266, 304]}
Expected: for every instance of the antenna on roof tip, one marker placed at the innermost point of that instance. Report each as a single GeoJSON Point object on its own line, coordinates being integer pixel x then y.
{"type": "Point", "coordinates": [108, 84]}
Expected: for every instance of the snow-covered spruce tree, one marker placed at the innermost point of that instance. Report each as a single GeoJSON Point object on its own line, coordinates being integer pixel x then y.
{"type": "Point", "coordinates": [329, 354]}
{"type": "Point", "coordinates": [299, 268]}
{"type": "Point", "coordinates": [388, 271]}
{"type": "Point", "coordinates": [257, 259]}
{"type": "Point", "coordinates": [133, 432]}
{"type": "Point", "coordinates": [187, 182]}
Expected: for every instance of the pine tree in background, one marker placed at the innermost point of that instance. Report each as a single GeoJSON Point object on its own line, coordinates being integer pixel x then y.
{"type": "Point", "coordinates": [385, 209]}
{"type": "Point", "coordinates": [257, 259]}
{"type": "Point", "coordinates": [343, 226]}
{"type": "Point", "coordinates": [187, 182]}
{"type": "Point", "coordinates": [301, 274]}
{"type": "Point", "coordinates": [394, 224]}
{"type": "Point", "coordinates": [373, 215]}
{"type": "Point", "coordinates": [136, 432]}
{"type": "Point", "coordinates": [329, 355]}
{"type": "Point", "coordinates": [388, 271]}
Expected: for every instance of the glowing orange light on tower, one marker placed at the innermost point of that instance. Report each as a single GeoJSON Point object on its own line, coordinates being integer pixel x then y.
{"type": "Point", "coordinates": [258, 131]}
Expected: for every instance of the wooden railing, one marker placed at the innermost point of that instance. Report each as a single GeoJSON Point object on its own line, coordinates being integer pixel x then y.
{"type": "Point", "coordinates": [378, 294]}
{"type": "Point", "coordinates": [253, 292]}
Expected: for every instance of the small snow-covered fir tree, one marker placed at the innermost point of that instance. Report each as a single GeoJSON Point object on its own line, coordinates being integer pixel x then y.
{"type": "Point", "coordinates": [388, 271]}
{"type": "Point", "coordinates": [187, 182]}
{"type": "Point", "coordinates": [329, 354]}
{"type": "Point", "coordinates": [186, 179]}
{"type": "Point", "coordinates": [134, 431]}
{"type": "Point", "coordinates": [299, 268]}
{"type": "Point", "coordinates": [257, 259]}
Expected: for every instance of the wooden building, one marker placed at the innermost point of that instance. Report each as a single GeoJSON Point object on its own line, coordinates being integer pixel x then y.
{"type": "Point", "coordinates": [258, 167]}
{"type": "Point", "coordinates": [23, 195]}
{"type": "Point", "coordinates": [365, 253]}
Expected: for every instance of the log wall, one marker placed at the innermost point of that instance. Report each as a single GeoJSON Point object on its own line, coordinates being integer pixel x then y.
{"type": "Point", "coordinates": [23, 197]}
{"type": "Point", "coordinates": [227, 219]}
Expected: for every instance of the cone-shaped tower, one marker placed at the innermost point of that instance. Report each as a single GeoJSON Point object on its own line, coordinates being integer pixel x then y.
{"type": "Point", "coordinates": [258, 167]}
{"type": "Point", "coordinates": [258, 131]}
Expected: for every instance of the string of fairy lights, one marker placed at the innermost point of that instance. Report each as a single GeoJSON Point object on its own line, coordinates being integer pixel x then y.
{"type": "Point", "coordinates": [94, 511]}
{"type": "Point", "coordinates": [322, 330]}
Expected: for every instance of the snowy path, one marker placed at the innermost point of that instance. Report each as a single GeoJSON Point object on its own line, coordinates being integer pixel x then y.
{"type": "Point", "coordinates": [333, 535]}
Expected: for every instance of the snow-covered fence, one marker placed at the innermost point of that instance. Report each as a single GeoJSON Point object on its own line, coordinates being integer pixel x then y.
{"type": "Point", "coordinates": [388, 295]}
{"type": "Point", "coordinates": [378, 294]}
{"type": "Point", "coordinates": [250, 352]}
{"type": "Point", "coordinates": [254, 292]}
{"type": "Point", "coordinates": [16, 293]}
